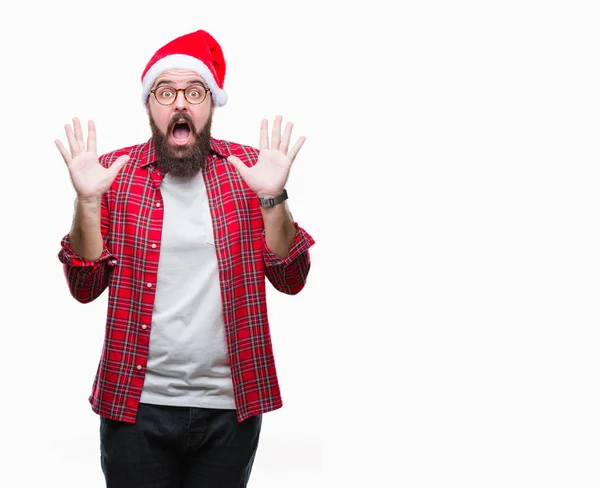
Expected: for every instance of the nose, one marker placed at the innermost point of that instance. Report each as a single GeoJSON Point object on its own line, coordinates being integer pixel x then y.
{"type": "Point", "coordinates": [180, 101]}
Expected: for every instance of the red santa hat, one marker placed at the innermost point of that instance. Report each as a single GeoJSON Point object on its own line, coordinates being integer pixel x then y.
{"type": "Point", "coordinates": [197, 51]}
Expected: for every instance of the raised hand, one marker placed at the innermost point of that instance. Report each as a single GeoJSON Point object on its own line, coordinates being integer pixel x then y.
{"type": "Point", "coordinates": [90, 179]}
{"type": "Point", "coordinates": [270, 173]}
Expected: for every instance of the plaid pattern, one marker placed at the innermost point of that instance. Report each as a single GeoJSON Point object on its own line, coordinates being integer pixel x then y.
{"type": "Point", "coordinates": [132, 213]}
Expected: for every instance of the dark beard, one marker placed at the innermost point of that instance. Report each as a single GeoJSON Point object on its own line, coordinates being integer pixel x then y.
{"type": "Point", "coordinates": [183, 162]}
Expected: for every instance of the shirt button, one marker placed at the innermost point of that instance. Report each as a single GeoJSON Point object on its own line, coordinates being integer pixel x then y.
{"type": "Point", "coordinates": [153, 246]}
{"type": "Point", "coordinates": [144, 326]}
{"type": "Point", "coordinates": [158, 204]}
{"type": "Point", "coordinates": [139, 367]}
{"type": "Point", "coordinates": [149, 285]}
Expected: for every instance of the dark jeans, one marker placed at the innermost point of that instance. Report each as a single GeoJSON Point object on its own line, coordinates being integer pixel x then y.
{"type": "Point", "coordinates": [177, 447]}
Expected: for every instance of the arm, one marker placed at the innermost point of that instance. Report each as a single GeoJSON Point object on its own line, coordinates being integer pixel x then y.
{"type": "Point", "coordinates": [85, 257]}
{"type": "Point", "coordinates": [285, 245]}
{"type": "Point", "coordinates": [87, 262]}
{"type": "Point", "coordinates": [86, 235]}
{"type": "Point", "coordinates": [280, 230]}
{"type": "Point", "coordinates": [285, 249]}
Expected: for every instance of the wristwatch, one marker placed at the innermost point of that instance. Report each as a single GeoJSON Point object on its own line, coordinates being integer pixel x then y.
{"type": "Point", "coordinates": [271, 202]}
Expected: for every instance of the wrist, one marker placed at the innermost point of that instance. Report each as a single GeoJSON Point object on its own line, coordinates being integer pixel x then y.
{"type": "Point", "coordinates": [268, 201]}
{"type": "Point", "coordinates": [89, 201]}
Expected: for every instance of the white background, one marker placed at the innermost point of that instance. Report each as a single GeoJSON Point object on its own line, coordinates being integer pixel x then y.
{"type": "Point", "coordinates": [448, 333]}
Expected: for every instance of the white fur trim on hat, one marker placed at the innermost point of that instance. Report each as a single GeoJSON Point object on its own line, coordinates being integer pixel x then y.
{"type": "Point", "coordinates": [183, 61]}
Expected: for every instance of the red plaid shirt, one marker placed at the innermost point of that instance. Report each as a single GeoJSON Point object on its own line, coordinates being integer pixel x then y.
{"type": "Point", "coordinates": [132, 216]}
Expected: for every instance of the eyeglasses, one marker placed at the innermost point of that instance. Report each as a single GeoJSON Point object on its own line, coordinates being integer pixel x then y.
{"type": "Point", "coordinates": [194, 94]}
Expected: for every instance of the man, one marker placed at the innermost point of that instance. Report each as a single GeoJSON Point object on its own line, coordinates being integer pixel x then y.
{"type": "Point", "coordinates": [183, 230]}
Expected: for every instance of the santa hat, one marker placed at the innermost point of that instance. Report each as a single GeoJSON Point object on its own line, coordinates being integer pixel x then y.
{"type": "Point", "coordinates": [197, 51]}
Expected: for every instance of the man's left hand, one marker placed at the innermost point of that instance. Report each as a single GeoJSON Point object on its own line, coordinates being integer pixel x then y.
{"type": "Point", "coordinates": [270, 173]}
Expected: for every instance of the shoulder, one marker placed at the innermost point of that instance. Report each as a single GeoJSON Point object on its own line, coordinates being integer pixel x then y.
{"type": "Point", "coordinates": [248, 154]}
{"type": "Point", "coordinates": [137, 153]}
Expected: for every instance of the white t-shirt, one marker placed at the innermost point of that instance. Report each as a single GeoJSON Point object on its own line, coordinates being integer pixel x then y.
{"type": "Point", "coordinates": [187, 363]}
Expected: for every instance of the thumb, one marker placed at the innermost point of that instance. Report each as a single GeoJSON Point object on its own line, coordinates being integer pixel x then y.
{"type": "Point", "coordinates": [118, 164]}
{"type": "Point", "coordinates": [237, 163]}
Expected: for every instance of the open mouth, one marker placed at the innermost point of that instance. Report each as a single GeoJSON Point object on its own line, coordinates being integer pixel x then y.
{"type": "Point", "coordinates": [181, 133]}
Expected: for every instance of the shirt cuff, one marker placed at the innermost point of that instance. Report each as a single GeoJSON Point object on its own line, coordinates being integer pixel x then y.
{"type": "Point", "coordinates": [71, 258]}
{"type": "Point", "coordinates": [302, 241]}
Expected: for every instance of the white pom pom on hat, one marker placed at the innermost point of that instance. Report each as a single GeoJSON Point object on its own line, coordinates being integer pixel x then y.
{"type": "Point", "coordinates": [197, 51]}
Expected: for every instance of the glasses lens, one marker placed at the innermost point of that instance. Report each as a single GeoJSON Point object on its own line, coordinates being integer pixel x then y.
{"type": "Point", "coordinates": [165, 95]}
{"type": "Point", "coordinates": [195, 94]}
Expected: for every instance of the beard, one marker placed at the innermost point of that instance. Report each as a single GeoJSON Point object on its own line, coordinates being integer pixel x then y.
{"type": "Point", "coordinates": [182, 161]}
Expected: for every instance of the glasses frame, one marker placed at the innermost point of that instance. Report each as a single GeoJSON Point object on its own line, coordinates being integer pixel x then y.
{"type": "Point", "coordinates": [184, 90]}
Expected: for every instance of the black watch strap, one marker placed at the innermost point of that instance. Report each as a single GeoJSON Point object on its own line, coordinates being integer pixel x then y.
{"type": "Point", "coordinates": [271, 202]}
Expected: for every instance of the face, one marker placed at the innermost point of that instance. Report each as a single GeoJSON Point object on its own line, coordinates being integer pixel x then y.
{"type": "Point", "coordinates": [181, 131]}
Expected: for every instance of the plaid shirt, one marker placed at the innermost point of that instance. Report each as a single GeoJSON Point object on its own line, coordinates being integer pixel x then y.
{"type": "Point", "coordinates": [131, 223]}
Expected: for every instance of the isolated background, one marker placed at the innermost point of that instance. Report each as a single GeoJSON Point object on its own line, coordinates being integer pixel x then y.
{"type": "Point", "coordinates": [448, 333]}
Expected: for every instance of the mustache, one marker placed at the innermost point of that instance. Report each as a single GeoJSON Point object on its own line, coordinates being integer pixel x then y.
{"type": "Point", "coordinates": [178, 118]}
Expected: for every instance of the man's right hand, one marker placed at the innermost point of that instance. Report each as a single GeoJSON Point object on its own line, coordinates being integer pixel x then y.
{"type": "Point", "coordinates": [90, 179]}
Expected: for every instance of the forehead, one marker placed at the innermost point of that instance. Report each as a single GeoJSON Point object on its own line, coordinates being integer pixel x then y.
{"type": "Point", "coordinates": [178, 76]}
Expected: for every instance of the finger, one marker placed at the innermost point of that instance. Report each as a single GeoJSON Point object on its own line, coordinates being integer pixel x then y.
{"type": "Point", "coordinates": [78, 134]}
{"type": "Point", "coordinates": [264, 135]}
{"type": "Point", "coordinates": [118, 164]}
{"type": "Point", "coordinates": [73, 146]}
{"type": "Point", "coordinates": [63, 151]}
{"type": "Point", "coordinates": [285, 140]}
{"type": "Point", "coordinates": [276, 133]}
{"type": "Point", "coordinates": [241, 168]}
{"type": "Point", "coordinates": [294, 151]}
{"type": "Point", "coordinates": [91, 142]}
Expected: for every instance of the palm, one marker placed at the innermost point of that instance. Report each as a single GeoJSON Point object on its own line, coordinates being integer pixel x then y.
{"type": "Point", "coordinates": [88, 176]}
{"type": "Point", "coordinates": [90, 179]}
{"type": "Point", "coordinates": [270, 173]}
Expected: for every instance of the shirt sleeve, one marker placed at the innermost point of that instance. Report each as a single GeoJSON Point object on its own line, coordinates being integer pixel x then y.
{"type": "Point", "coordinates": [289, 274]}
{"type": "Point", "coordinates": [87, 279]}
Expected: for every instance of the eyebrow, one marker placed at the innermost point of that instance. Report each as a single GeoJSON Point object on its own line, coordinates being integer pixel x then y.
{"type": "Point", "coordinates": [197, 81]}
